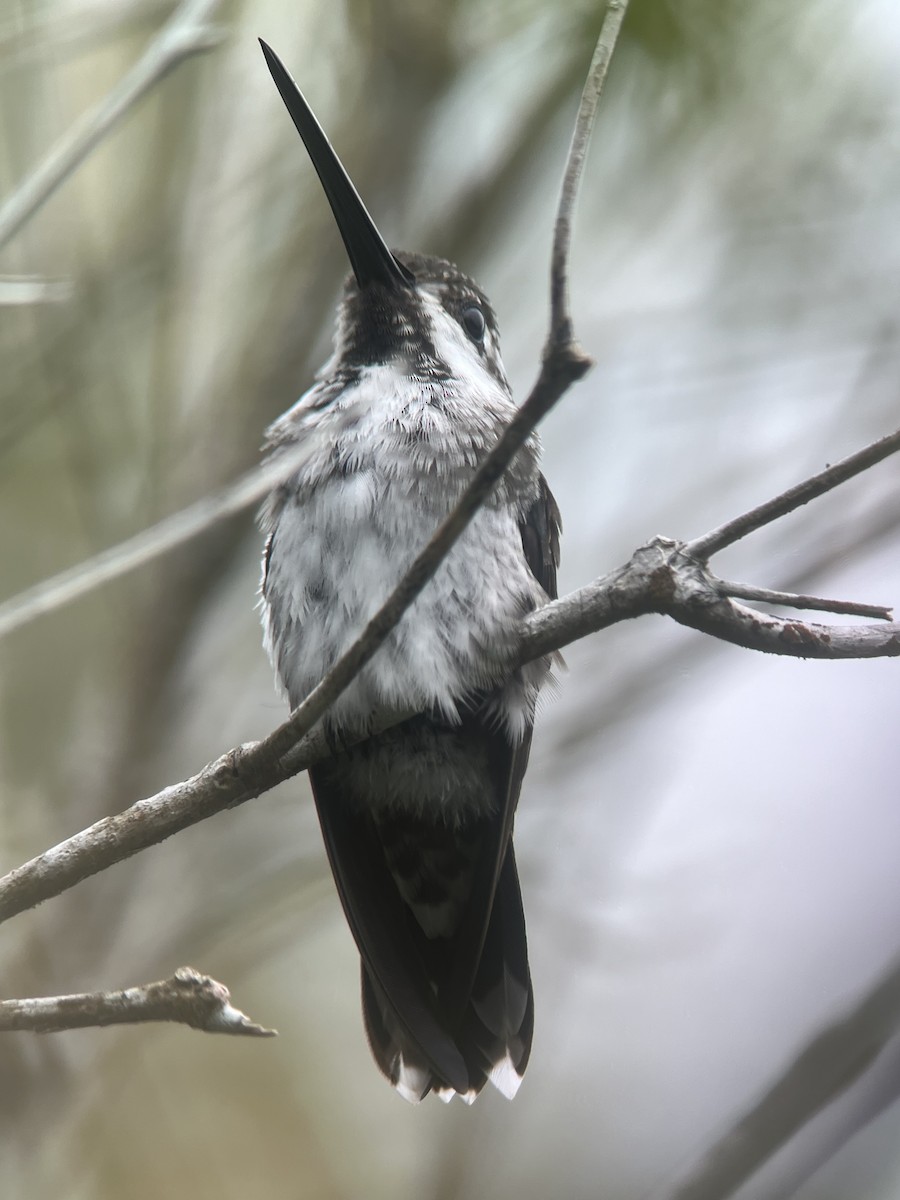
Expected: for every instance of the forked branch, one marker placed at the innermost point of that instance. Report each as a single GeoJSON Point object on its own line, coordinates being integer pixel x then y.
{"type": "Point", "coordinates": [661, 577]}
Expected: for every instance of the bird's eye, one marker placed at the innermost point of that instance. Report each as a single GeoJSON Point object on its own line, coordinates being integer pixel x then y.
{"type": "Point", "coordinates": [473, 322]}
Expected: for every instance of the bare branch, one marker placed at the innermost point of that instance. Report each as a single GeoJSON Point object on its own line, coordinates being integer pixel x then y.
{"type": "Point", "coordinates": [188, 32]}
{"type": "Point", "coordinates": [93, 23]}
{"type": "Point", "coordinates": [664, 577]}
{"type": "Point", "coordinates": [817, 485]}
{"type": "Point", "coordinates": [661, 577]}
{"type": "Point", "coordinates": [781, 635]}
{"type": "Point", "coordinates": [830, 1064]}
{"type": "Point", "coordinates": [188, 998]}
{"type": "Point", "coordinates": [62, 589]}
{"type": "Point", "coordinates": [850, 608]}
{"type": "Point", "coordinates": [111, 840]}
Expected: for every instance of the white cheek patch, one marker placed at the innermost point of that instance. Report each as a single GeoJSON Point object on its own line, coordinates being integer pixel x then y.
{"type": "Point", "coordinates": [451, 345]}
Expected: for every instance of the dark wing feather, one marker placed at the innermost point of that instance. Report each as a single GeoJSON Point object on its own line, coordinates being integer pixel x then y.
{"type": "Point", "coordinates": [540, 531]}
{"type": "Point", "coordinates": [500, 1015]}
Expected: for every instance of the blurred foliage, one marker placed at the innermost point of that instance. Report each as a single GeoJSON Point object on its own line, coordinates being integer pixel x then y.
{"type": "Point", "coordinates": [736, 279]}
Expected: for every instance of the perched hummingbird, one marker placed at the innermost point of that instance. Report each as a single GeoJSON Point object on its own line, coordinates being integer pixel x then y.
{"type": "Point", "coordinates": [417, 821]}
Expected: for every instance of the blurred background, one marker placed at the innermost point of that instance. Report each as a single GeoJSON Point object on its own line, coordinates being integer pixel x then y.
{"type": "Point", "coordinates": [708, 838]}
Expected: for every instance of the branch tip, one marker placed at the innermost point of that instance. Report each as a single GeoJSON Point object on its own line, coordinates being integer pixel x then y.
{"type": "Point", "coordinates": [745, 591]}
{"type": "Point", "coordinates": [187, 998]}
{"type": "Point", "coordinates": [795, 497]}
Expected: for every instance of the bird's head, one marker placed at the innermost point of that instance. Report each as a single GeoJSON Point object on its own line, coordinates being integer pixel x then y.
{"type": "Point", "coordinates": [418, 312]}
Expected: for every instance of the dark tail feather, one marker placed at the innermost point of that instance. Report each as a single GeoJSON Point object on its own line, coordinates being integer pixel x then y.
{"type": "Point", "coordinates": [494, 1035]}
{"type": "Point", "coordinates": [400, 1058]}
{"type": "Point", "coordinates": [500, 1018]}
{"type": "Point", "coordinates": [435, 909]}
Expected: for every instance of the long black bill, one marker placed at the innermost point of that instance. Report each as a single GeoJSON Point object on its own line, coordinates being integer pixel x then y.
{"type": "Point", "coordinates": [369, 255]}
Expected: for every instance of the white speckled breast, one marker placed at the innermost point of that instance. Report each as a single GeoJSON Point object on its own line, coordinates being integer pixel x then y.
{"type": "Point", "coordinates": [388, 454]}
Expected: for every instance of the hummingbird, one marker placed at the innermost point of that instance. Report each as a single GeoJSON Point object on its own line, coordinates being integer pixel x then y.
{"type": "Point", "coordinates": [417, 821]}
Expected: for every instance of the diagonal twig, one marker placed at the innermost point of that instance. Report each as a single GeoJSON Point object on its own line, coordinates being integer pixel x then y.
{"type": "Point", "coordinates": [248, 770]}
{"type": "Point", "coordinates": [662, 577]}
{"type": "Point", "coordinates": [173, 531]}
{"type": "Point", "coordinates": [711, 543]}
{"type": "Point", "coordinates": [187, 32]}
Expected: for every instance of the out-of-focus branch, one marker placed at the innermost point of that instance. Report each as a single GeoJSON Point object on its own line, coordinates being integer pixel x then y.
{"type": "Point", "coordinates": [188, 32]}
{"type": "Point", "coordinates": [93, 23]}
{"type": "Point", "coordinates": [19, 290]}
{"type": "Point", "coordinates": [165, 535]}
{"type": "Point", "coordinates": [188, 998]}
{"type": "Point", "coordinates": [830, 1064]}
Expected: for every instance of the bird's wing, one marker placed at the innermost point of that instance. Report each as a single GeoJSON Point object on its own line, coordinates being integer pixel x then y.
{"type": "Point", "coordinates": [446, 986]}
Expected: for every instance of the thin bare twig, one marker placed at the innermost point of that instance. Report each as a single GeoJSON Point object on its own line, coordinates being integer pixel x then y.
{"type": "Point", "coordinates": [711, 543]}
{"type": "Point", "coordinates": [70, 585]}
{"type": "Point", "coordinates": [560, 317]}
{"type": "Point", "coordinates": [188, 998]}
{"type": "Point", "coordinates": [188, 32]}
{"type": "Point", "coordinates": [850, 608]}
{"type": "Point", "coordinates": [663, 577]}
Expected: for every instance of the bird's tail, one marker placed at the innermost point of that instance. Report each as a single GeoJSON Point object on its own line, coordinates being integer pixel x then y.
{"type": "Point", "coordinates": [491, 1030]}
